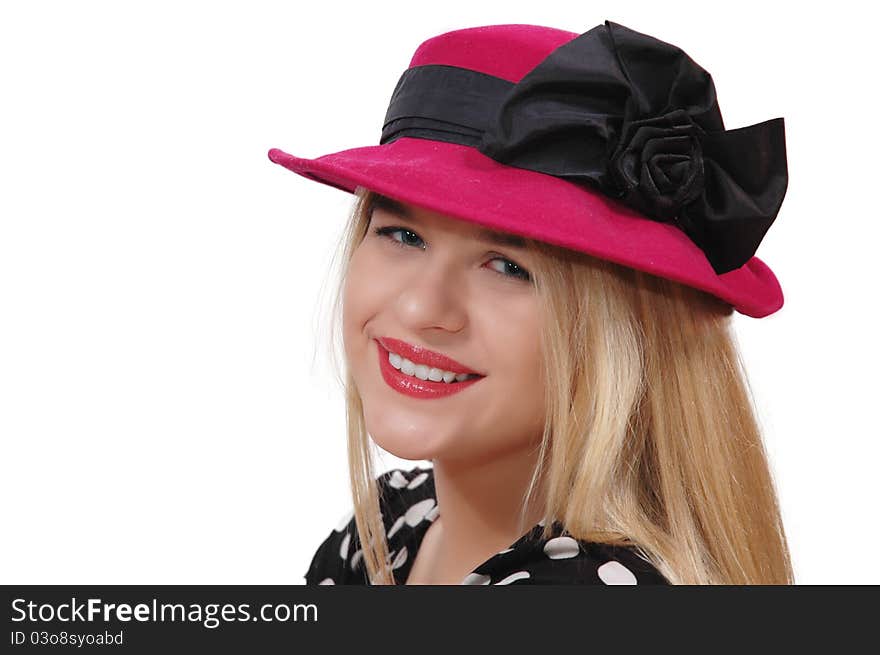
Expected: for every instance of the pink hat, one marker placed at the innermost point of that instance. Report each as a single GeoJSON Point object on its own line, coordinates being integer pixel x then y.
{"type": "Point", "coordinates": [610, 143]}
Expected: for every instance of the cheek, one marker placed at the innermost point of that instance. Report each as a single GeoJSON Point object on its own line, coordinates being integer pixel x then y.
{"type": "Point", "coordinates": [515, 359]}
{"type": "Point", "coordinates": [362, 297]}
{"type": "Point", "coordinates": [355, 299]}
{"type": "Point", "coordinates": [512, 332]}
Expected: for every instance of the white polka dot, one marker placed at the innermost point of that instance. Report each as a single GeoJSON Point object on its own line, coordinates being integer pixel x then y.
{"type": "Point", "coordinates": [416, 481]}
{"type": "Point", "coordinates": [506, 550]}
{"type": "Point", "coordinates": [327, 581]}
{"type": "Point", "coordinates": [476, 578]}
{"type": "Point", "coordinates": [416, 513]}
{"type": "Point", "coordinates": [356, 558]}
{"type": "Point", "coordinates": [561, 548]}
{"type": "Point", "coordinates": [433, 514]}
{"type": "Point", "coordinates": [343, 547]}
{"type": "Point", "coordinates": [541, 523]}
{"type": "Point", "coordinates": [400, 560]}
{"type": "Point", "coordinates": [397, 480]}
{"type": "Point", "coordinates": [519, 575]}
{"type": "Point", "coordinates": [397, 525]}
{"type": "Point", "coordinates": [344, 521]}
{"type": "Point", "coordinates": [616, 573]}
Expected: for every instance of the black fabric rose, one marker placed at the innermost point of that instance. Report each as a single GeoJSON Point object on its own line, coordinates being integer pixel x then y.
{"type": "Point", "coordinates": [657, 164]}
{"type": "Point", "coordinates": [620, 112]}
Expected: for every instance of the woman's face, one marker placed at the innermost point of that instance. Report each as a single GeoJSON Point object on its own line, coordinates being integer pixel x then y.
{"type": "Point", "coordinates": [439, 284]}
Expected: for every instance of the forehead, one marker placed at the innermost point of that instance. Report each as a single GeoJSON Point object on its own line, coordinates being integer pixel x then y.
{"type": "Point", "coordinates": [411, 212]}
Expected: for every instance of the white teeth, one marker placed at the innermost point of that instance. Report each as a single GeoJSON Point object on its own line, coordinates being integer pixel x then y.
{"type": "Point", "coordinates": [423, 372]}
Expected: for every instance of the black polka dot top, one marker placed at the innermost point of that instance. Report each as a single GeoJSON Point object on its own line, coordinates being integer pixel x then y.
{"type": "Point", "coordinates": [408, 505]}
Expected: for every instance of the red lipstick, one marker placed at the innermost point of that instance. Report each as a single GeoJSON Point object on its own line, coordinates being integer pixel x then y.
{"type": "Point", "coordinates": [413, 386]}
{"type": "Point", "coordinates": [420, 355]}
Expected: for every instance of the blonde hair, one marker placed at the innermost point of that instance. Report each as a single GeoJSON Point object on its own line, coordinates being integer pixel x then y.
{"type": "Point", "coordinates": [650, 439]}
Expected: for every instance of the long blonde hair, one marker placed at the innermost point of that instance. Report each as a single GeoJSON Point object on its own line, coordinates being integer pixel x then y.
{"type": "Point", "coordinates": [650, 438]}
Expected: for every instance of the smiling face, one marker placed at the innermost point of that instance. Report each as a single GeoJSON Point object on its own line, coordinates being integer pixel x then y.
{"type": "Point", "coordinates": [443, 285]}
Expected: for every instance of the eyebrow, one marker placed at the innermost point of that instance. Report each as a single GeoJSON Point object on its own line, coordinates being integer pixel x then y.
{"type": "Point", "coordinates": [399, 209]}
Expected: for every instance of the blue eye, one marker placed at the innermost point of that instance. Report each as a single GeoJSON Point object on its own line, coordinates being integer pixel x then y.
{"type": "Point", "coordinates": [411, 239]}
{"type": "Point", "coordinates": [388, 231]}
{"type": "Point", "coordinates": [515, 269]}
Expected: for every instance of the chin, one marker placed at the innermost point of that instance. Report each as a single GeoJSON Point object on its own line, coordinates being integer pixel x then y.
{"type": "Point", "coordinates": [396, 435]}
{"type": "Point", "coordinates": [403, 448]}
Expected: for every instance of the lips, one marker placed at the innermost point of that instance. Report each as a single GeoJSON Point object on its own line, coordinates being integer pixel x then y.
{"type": "Point", "coordinates": [420, 355]}
{"type": "Point", "coordinates": [413, 386]}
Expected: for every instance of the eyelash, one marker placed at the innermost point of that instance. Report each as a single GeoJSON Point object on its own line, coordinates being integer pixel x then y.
{"type": "Point", "coordinates": [387, 231]}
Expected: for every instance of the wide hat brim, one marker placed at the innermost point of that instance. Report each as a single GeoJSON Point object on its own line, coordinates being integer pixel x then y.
{"type": "Point", "coordinates": [462, 183]}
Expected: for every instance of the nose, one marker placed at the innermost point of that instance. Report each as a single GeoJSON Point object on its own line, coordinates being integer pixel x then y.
{"type": "Point", "coordinates": [432, 297]}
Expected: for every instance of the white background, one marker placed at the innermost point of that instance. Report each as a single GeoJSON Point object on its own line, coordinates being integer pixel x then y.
{"type": "Point", "coordinates": [168, 413]}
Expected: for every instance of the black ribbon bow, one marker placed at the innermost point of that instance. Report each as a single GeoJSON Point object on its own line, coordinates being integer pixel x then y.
{"type": "Point", "coordinates": [623, 112]}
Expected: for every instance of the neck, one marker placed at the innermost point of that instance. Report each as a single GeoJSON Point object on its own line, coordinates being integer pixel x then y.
{"type": "Point", "coordinates": [479, 508]}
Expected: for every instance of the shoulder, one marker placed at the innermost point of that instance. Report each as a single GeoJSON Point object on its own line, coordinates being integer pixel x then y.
{"type": "Point", "coordinates": [338, 558]}
{"type": "Point", "coordinates": [565, 560]}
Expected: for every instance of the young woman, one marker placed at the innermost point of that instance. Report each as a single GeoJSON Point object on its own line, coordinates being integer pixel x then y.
{"type": "Point", "coordinates": [541, 267]}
